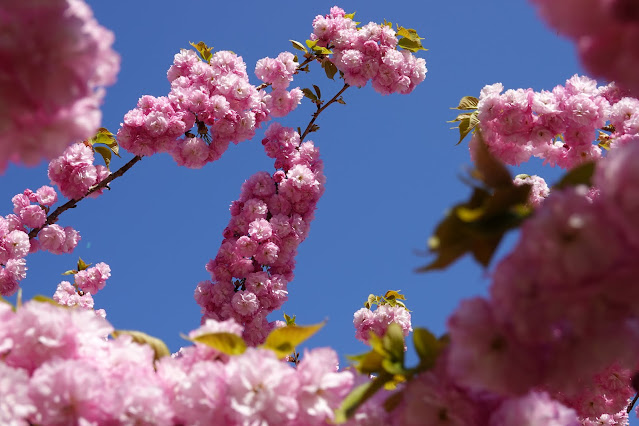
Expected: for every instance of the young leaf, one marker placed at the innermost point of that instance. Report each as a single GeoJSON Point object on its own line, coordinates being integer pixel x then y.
{"type": "Point", "coordinates": [309, 94]}
{"type": "Point", "coordinates": [203, 50]}
{"type": "Point", "coordinates": [105, 153]}
{"type": "Point", "coordinates": [580, 175]}
{"type": "Point", "coordinates": [70, 272]}
{"type": "Point", "coordinates": [82, 265]}
{"type": "Point", "coordinates": [159, 347]}
{"type": "Point", "coordinates": [467, 102]}
{"type": "Point", "coordinates": [299, 46]}
{"type": "Point", "coordinates": [317, 91]}
{"type": "Point", "coordinates": [283, 340]}
{"type": "Point", "coordinates": [45, 299]}
{"type": "Point", "coordinates": [358, 396]}
{"type": "Point", "coordinates": [330, 69]}
{"type": "Point", "coordinates": [228, 343]}
{"type": "Point", "coordinates": [427, 347]}
{"type": "Point", "coordinates": [411, 40]}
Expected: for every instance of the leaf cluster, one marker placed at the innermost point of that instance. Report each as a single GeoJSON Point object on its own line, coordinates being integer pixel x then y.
{"type": "Point", "coordinates": [392, 298]}
{"type": "Point", "coordinates": [467, 120]}
{"type": "Point", "coordinates": [477, 225]}
{"type": "Point", "coordinates": [104, 143]}
{"type": "Point", "coordinates": [385, 361]}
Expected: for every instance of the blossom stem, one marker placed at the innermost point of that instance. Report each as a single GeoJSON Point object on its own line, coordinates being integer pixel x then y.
{"type": "Point", "coordinates": [322, 108]}
{"type": "Point", "coordinates": [53, 217]}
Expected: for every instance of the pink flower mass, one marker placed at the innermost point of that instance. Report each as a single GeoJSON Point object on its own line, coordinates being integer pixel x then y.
{"type": "Point", "coordinates": [553, 340]}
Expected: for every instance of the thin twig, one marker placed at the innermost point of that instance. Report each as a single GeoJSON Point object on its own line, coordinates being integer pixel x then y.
{"type": "Point", "coordinates": [53, 217]}
{"type": "Point", "coordinates": [320, 109]}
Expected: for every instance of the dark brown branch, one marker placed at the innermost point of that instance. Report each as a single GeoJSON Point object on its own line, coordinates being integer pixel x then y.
{"type": "Point", "coordinates": [53, 217]}
{"type": "Point", "coordinates": [321, 108]}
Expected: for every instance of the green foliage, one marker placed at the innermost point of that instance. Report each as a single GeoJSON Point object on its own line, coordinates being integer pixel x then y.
{"type": "Point", "coordinates": [289, 320]}
{"type": "Point", "coordinates": [392, 297]}
{"type": "Point", "coordinates": [478, 225]}
{"type": "Point", "coordinates": [299, 46]}
{"type": "Point", "coordinates": [45, 299]}
{"type": "Point", "coordinates": [329, 68]}
{"type": "Point", "coordinates": [81, 267]}
{"type": "Point", "coordinates": [283, 340]}
{"type": "Point", "coordinates": [467, 120]}
{"type": "Point", "coordinates": [318, 50]}
{"type": "Point", "coordinates": [580, 175]}
{"type": "Point", "coordinates": [228, 343]}
{"type": "Point", "coordinates": [159, 347]}
{"type": "Point", "coordinates": [385, 362]}
{"type": "Point", "coordinates": [203, 50]}
{"type": "Point", "coordinates": [104, 143]}
{"type": "Point", "coordinates": [409, 40]}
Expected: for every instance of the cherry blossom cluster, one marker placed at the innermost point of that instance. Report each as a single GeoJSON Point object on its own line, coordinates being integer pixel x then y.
{"type": "Point", "coordinates": [436, 398]}
{"type": "Point", "coordinates": [214, 96]}
{"type": "Point", "coordinates": [538, 188]}
{"type": "Point", "coordinates": [255, 262]}
{"type": "Point", "coordinates": [54, 60]}
{"type": "Point", "coordinates": [30, 212]}
{"type": "Point", "coordinates": [562, 312]}
{"type": "Point", "coordinates": [605, 33]}
{"type": "Point", "coordinates": [74, 173]}
{"type": "Point", "coordinates": [377, 321]}
{"type": "Point", "coordinates": [558, 126]}
{"type": "Point", "coordinates": [58, 367]}
{"type": "Point", "coordinates": [368, 53]}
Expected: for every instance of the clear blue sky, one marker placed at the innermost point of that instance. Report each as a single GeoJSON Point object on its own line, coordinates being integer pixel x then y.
{"type": "Point", "coordinates": [391, 163]}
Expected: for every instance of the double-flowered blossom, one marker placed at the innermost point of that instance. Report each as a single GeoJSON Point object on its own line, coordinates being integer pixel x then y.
{"type": "Point", "coordinates": [57, 367]}
{"type": "Point", "coordinates": [377, 321]}
{"type": "Point", "coordinates": [559, 126]}
{"type": "Point", "coordinates": [74, 173]}
{"type": "Point", "coordinates": [563, 304]}
{"type": "Point", "coordinates": [217, 98]}
{"type": "Point", "coordinates": [29, 213]}
{"type": "Point", "coordinates": [54, 60]}
{"type": "Point", "coordinates": [250, 273]}
{"type": "Point", "coordinates": [368, 53]}
{"type": "Point", "coordinates": [605, 33]}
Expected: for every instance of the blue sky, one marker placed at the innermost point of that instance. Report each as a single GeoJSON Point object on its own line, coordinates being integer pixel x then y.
{"type": "Point", "coordinates": [391, 163]}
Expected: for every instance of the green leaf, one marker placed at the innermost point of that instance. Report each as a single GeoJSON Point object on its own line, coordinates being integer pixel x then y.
{"type": "Point", "coordinates": [311, 43]}
{"type": "Point", "coordinates": [228, 343]}
{"type": "Point", "coordinates": [299, 46]}
{"type": "Point", "coordinates": [409, 33]}
{"type": "Point", "coordinates": [394, 294]}
{"type": "Point", "coordinates": [410, 45]}
{"type": "Point", "coordinates": [289, 320]}
{"type": "Point", "coordinates": [410, 41]}
{"type": "Point", "coordinates": [358, 396]}
{"type": "Point", "coordinates": [490, 170]}
{"type": "Point", "coordinates": [203, 50]}
{"type": "Point", "coordinates": [467, 102]}
{"type": "Point", "coordinates": [330, 69]}
{"type": "Point", "coordinates": [309, 94]}
{"type": "Point", "coordinates": [350, 16]}
{"type": "Point", "coordinates": [70, 272]}
{"type": "Point", "coordinates": [159, 347]}
{"type": "Point", "coordinates": [105, 153]}
{"type": "Point", "coordinates": [428, 348]}
{"type": "Point", "coordinates": [45, 299]}
{"type": "Point", "coordinates": [393, 342]}
{"type": "Point", "coordinates": [317, 91]}
{"type": "Point", "coordinates": [103, 136]}
{"type": "Point", "coordinates": [580, 175]}
{"type": "Point", "coordinates": [82, 265]}
{"type": "Point", "coordinates": [283, 340]}
{"type": "Point", "coordinates": [367, 363]}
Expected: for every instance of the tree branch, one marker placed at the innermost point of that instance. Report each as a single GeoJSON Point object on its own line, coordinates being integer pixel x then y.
{"type": "Point", "coordinates": [53, 217]}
